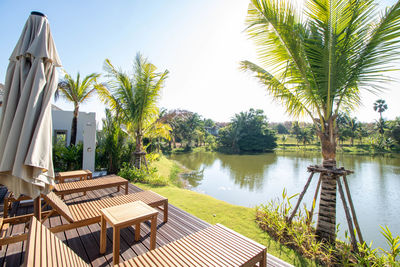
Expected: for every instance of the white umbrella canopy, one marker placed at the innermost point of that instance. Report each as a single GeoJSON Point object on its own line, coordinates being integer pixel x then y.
{"type": "Point", "coordinates": [26, 165]}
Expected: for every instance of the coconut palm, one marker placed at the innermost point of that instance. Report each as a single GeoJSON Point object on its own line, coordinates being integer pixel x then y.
{"type": "Point", "coordinates": [380, 106]}
{"type": "Point", "coordinates": [317, 61]}
{"type": "Point", "coordinates": [135, 99]}
{"type": "Point", "coordinates": [77, 92]}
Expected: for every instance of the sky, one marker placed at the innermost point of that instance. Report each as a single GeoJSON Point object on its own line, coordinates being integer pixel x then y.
{"type": "Point", "coordinates": [200, 43]}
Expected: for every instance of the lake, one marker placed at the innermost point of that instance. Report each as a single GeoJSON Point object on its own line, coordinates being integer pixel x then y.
{"type": "Point", "coordinates": [250, 180]}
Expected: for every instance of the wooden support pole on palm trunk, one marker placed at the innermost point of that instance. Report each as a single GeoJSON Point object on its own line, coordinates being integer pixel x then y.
{"type": "Point", "coordinates": [314, 202]}
{"type": "Point", "coordinates": [300, 198]}
{"type": "Point", "coordinates": [348, 216]}
{"type": "Point", "coordinates": [353, 211]}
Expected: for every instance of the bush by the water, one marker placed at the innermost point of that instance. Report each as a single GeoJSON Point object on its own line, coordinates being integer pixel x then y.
{"type": "Point", "coordinates": [300, 236]}
{"type": "Point", "coordinates": [144, 175]}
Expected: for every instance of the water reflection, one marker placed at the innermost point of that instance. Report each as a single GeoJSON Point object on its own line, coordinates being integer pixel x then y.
{"type": "Point", "coordinates": [194, 178]}
{"type": "Point", "coordinates": [195, 161]}
{"type": "Point", "coordinates": [249, 180]}
{"type": "Point", "coordinates": [247, 171]}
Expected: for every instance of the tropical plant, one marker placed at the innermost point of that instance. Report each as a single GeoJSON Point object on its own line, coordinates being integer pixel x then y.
{"type": "Point", "coordinates": [304, 136]}
{"type": "Point", "coordinates": [248, 132]}
{"type": "Point", "coordinates": [281, 129]}
{"type": "Point", "coordinates": [317, 61]}
{"type": "Point", "coordinates": [395, 130]}
{"type": "Point", "coordinates": [380, 106]}
{"type": "Point", "coordinates": [380, 126]}
{"type": "Point", "coordinates": [77, 92]}
{"type": "Point", "coordinates": [187, 127]}
{"type": "Point", "coordinates": [135, 99]}
{"type": "Point", "coordinates": [284, 140]}
{"type": "Point", "coordinates": [352, 126]}
{"type": "Point", "coordinates": [110, 142]}
{"type": "Point", "coordinates": [361, 132]}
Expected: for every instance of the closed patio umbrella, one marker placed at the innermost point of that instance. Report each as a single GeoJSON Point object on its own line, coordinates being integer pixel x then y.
{"type": "Point", "coordinates": [26, 165]}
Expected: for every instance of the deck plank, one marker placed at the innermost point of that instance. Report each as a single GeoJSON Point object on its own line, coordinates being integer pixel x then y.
{"type": "Point", "coordinates": [85, 240]}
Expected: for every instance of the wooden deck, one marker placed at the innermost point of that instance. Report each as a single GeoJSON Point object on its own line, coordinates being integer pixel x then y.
{"type": "Point", "coordinates": [85, 241]}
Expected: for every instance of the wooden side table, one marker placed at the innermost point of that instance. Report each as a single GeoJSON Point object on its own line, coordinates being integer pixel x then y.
{"type": "Point", "coordinates": [81, 174]}
{"type": "Point", "coordinates": [123, 216]}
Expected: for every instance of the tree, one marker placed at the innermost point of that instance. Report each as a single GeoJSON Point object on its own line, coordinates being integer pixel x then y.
{"type": "Point", "coordinates": [296, 130]}
{"type": "Point", "coordinates": [380, 106]}
{"type": "Point", "coordinates": [281, 129]}
{"type": "Point", "coordinates": [395, 130]}
{"type": "Point", "coordinates": [284, 140]}
{"type": "Point", "coordinates": [317, 62]}
{"type": "Point", "coordinates": [135, 99]}
{"type": "Point", "coordinates": [361, 132]}
{"type": "Point", "coordinates": [381, 126]}
{"type": "Point", "coordinates": [110, 142]}
{"type": "Point", "coordinates": [304, 136]}
{"type": "Point", "coordinates": [76, 91]}
{"type": "Point", "coordinates": [186, 127]}
{"type": "Point", "coordinates": [248, 132]}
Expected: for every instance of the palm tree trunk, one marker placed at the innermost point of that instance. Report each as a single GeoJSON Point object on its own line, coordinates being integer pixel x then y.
{"type": "Point", "coordinates": [139, 153]}
{"type": "Point", "coordinates": [74, 126]}
{"type": "Point", "coordinates": [326, 223]}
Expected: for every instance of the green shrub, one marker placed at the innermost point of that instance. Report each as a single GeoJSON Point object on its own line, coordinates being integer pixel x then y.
{"type": "Point", "coordinates": [156, 180]}
{"type": "Point", "coordinates": [300, 236]}
{"type": "Point", "coordinates": [147, 176]}
{"type": "Point", "coordinates": [67, 158]}
{"type": "Point", "coordinates": [132, 173]}
{"type": "Point", "coordinates": [174, 175]}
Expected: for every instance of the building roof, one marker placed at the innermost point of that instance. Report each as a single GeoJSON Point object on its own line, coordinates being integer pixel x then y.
{"type": "Point", "coordinates": [54, 107]}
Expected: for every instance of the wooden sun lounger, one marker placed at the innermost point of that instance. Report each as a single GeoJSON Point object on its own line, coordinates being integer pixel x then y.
{"type": "Point", "coordinates": [213, 246]}
{"type": "Point", "coordinates": [87, 213]}
{"type": "Point", "coordinates": [74, 187]}
{"type": "Point", "coordinates": [81, 174]}
{"type": "Point", "coordinates": [82, 214]}
{"type": "Point", "coordinates": [92, 184]}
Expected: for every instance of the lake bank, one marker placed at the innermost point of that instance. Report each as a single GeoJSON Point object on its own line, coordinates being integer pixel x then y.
{"type": "Point", "coordinates": [238, 218]}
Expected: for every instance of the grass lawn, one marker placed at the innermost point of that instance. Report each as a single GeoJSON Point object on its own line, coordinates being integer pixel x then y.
{"type": "Point", "coordinates": [211, 210]}
{"type": "Point", "coordinates": [345, 147]}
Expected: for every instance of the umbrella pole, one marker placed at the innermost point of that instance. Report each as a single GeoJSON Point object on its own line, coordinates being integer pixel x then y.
{"type": "Point", "coordinates": [37, 208]}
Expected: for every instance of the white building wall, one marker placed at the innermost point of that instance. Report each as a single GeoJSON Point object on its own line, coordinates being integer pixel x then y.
{"type": "Point", "coordinates": [86, 132]}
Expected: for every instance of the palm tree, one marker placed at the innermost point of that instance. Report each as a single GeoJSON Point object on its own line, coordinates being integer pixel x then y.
{"type": "Point", "coordinates": [304, 136]}
{"type": "Point", "coordinates": [361, 132]}
{"type": "Point", "coordinates": [317, 62]}
{"type": "Point", "coordinates": [135, 99]}
{"type": "Point", "coordinates": [111, 139]}
{"type": "Point", "coordinates": [380, 106]}
{"type": "Point", "coordinates": [76, 91]}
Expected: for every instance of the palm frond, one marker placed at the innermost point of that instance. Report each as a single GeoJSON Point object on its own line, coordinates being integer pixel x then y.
{"type": "Point", "coordinates": [295, 102]}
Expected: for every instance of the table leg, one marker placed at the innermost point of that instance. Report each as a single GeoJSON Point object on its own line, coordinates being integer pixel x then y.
{"type": "Point", "coordinates": [137, 232]}
{"type": "Point", "coordinates": [103, 235]}
{"type": "Point", "coordinates": [153, 232]}
{"type": "Point", "coordinates": [116, 238]}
